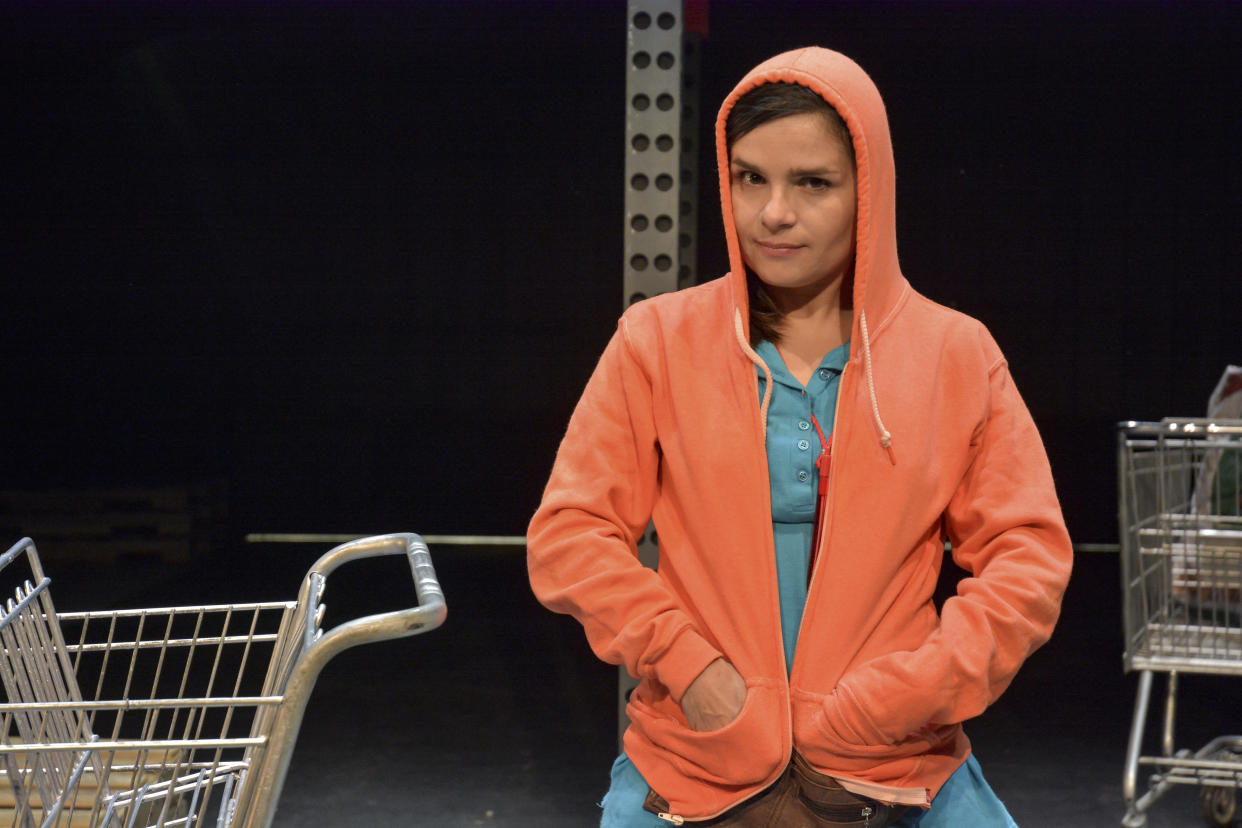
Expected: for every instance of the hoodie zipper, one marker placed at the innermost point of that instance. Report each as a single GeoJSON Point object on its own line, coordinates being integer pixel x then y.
{"type": "Point", "coordinates": [823, 463]}
{"type": "Point", "coordinates": [820, 535]}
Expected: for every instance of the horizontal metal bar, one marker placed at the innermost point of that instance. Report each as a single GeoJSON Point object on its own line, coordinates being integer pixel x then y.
{"type": "Point", "coordinates": [1226, 666]}
{"type": "Point", "coordinates": [98, 615]}
{"type": "Point", "coordinates": [1111, 548]}
{"type": "Point", "coordinates": [430, 540]}
{"type": "Point", "coordinates": [133, 744]}
{"type": "Point", "coordinates": [161, 643]}
{"type": "Point", "coordinates": [1192, 425]}
{"type": "Point", "coordinates": [141, 704]}
{"type": "Point", "coordinates": [1177, 762]}
{"type": "Point", "coordinates": [187, 768]}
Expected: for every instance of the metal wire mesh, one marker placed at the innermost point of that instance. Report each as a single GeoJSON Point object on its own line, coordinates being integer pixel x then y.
{"type": "Point", "coordinates": [173, 716]}
{"type": "Point", "coordinates": [1181, 520]}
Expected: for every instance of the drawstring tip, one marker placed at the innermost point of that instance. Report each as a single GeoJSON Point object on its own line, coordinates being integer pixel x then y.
{"type": "Point", "coordinates": [887, 442]}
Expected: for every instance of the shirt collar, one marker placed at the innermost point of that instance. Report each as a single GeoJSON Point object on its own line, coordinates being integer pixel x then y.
{"type": "Point", "coordinates": [834, 361]}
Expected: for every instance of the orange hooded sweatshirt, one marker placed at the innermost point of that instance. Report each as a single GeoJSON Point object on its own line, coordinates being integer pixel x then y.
{"type": "Point", "coordinates": [931, 443]}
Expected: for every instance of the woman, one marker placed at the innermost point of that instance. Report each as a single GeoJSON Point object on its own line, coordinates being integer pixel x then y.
{"type": "Point", "coordinates": [806, 432]}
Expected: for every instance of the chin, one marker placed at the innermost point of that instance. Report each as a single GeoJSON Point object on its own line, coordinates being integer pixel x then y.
{"type": "Point", "coordinates": [792, 280]}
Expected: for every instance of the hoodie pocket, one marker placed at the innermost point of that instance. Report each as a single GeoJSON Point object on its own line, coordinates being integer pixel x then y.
{"type": "Point", "coordinates": [843, 740]}
{"type": "Point", "coordinates": [840, 720]}
{"type": "Point", "coordinates": [746, 751]}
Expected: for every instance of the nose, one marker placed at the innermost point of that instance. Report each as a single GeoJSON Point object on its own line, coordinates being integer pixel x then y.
{"type": "Point", "coordinates": [777, 211]}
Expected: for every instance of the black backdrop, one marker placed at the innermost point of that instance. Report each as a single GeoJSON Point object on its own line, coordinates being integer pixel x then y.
{"type": "Point", "coordinates": [357, 259]}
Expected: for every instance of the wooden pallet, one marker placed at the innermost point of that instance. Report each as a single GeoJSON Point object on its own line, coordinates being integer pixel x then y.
{"type": "Point", "coordinates": [88, 788]}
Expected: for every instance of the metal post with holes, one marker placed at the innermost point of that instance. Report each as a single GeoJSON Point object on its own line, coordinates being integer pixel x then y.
{"type": "Point", "coordinates": [661, 159]}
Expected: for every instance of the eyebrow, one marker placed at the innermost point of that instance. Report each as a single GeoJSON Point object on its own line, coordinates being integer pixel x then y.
{"type": "Point", "coordinates": [803, 173]}
{"type": "Point", "coordinates": [818, 172]}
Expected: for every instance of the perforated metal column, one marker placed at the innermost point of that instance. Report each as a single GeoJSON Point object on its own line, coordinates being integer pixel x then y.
{"type": "Point", "coordinates": [687, 182]}
{"type": "Point", "coordinates": [653, 151]}
{"type": "Point", "coordinates": [660, 162]}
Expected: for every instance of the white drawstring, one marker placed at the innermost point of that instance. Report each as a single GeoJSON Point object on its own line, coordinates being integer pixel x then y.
{"type": "Point", "coordinates": [744, 342]}
{"type": "Point", "coordinates": [886, 439]}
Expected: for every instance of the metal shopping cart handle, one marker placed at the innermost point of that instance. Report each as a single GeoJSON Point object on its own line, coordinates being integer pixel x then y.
{"type": "Point", "coordinates": [429, 613]}
{"type": "Point", "coordinates": [320, 646]}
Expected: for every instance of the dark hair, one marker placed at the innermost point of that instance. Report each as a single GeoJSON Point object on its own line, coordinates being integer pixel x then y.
{"type": "Point", "coordinates": [770, 101]}
{"type": "Point", "coordinates": [764, 103]}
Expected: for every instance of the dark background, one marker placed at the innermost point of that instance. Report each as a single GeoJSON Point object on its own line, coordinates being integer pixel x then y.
{"type": "Point", "coordinates": [351, 263]}
{"type": "Point", "coordinates": [357, 259]}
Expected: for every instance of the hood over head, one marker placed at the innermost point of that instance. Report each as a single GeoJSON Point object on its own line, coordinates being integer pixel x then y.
{"type": "Point", "coordinates": [878, 282]}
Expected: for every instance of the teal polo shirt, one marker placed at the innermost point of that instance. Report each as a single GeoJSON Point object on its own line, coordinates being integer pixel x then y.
{"type": "Point", "coordinates": [793, 446]}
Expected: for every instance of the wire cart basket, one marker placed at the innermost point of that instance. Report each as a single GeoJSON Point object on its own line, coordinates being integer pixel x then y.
{"type": "Point", "coordinates": [1180, 484]}
{"type": "Point", "coordinates": [170, 716]}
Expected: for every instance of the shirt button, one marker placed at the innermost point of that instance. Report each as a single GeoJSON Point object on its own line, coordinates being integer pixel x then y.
{"type": "Point", "coordinates": [804, 425]}
{"type": "Point", "coordinates": [824, 373]}
{"type": "Point", "coordinates": [804, 445]}
{"type": "Point", "coordinates": [803, 475]}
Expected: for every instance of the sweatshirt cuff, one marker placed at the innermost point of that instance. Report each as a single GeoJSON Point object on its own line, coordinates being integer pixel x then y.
{"type": "Point", "coordinates": [683, 661]}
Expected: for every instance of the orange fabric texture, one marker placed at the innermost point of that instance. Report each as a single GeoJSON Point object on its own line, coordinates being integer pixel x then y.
{"type": "Point", "coordinates": [669, 427]}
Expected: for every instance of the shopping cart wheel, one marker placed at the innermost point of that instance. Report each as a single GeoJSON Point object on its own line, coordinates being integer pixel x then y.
{"type": "Point", "coordinates": [1220, 805]}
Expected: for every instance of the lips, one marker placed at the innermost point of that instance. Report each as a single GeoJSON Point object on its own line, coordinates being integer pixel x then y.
{"type": "Point", "coordinates": [779, 249]}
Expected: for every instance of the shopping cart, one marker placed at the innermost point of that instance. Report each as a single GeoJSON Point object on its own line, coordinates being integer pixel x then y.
{"type": "Point", "coordinates": [170, 716]}
{"type": "Point", "coordinates": [1180, 487]}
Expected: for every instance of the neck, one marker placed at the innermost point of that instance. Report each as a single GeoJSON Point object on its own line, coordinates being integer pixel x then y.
{"type": "Point", "coordinates": [814, 322]}
{"type": "Point", "coordinates": [826, 305]}
{"type": "Point", "coordinates": [808, 301]}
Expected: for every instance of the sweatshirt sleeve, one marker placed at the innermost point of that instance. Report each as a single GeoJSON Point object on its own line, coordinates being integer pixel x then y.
{"type": "Point", "coordinates": [582, 552]}
{"type": "Point", "coordinates": [1006, 531]}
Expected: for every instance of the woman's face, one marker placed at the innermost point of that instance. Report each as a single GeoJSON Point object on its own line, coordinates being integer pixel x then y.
{"type": "Point", "coordinates": [794, 202]}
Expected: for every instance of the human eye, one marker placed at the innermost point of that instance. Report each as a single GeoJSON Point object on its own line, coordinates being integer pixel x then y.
{"type": "Point", "coordinates": [816, 184]}
{"type": "Point", "coordinates": [749, 177]}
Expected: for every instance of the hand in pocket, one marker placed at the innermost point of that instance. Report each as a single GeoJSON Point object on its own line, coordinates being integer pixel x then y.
{"type": "Point", "coordinates": [714, 699]}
